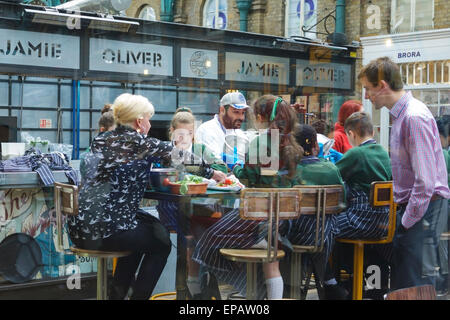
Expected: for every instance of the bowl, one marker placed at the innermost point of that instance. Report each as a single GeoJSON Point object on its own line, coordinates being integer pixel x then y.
{"type": "Point", "coordinates": [193, 188]}
{"type": "Point", "coordinates": [158, 175]}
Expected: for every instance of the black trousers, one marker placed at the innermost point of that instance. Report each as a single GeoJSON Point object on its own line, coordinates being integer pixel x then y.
{"type": "Point", "coordinates": [407, 254]}
{"type": "Point", "coordinates": [149, 242]}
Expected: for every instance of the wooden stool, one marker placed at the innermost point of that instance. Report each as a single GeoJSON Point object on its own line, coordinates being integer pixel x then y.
{"type": "Point", "coordinates": [381, 194]}
{"type": "Point", "coordinates": [265, 204]}
{"type": "Point", "coordinates": [425, 292]}
{"type": "Point", "coordinates": [66, 202]}
{"type": "Point", "coordinates": [320, 201]}
{"type": "Point", "coordinates": [164, 296]}
{"type": "Point", "coordinates": [102, 272]}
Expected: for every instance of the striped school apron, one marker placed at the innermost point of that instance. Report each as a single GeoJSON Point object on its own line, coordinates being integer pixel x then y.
{"type": "Point", "coordinates": [362, 221]}
{"type": "Point", "coordinates": [232, 232]}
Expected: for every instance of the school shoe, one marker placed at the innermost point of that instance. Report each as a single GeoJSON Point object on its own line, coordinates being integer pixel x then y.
{"type": "Point", "coordinates": [190, 296]}
{"type": "Point", "coordinates": [335, 292]}
{"type": "Point", "coordinates": [442, 285]}
{"type": "Point", "coordinates": [210, 287]}
{"type": "Point", "coordinates": [116, 292]}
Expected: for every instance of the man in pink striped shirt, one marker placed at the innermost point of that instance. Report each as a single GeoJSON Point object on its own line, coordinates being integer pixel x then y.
{"type": "Point", "coordinates": [418, 167]}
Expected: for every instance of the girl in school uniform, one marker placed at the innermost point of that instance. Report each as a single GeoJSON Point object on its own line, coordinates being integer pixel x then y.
{"type": "Point", "coordinates": [314, 171]}
{"type": "Point", "coordinates": [276, 121]}
{"type": "Point", "coordinates": [182, 136]}
{"type": "Point", "coordinates": [181, 133]}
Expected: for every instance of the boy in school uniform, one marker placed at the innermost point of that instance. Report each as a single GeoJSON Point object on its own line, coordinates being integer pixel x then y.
{"type": "Point", "coordinates": [366, 162]}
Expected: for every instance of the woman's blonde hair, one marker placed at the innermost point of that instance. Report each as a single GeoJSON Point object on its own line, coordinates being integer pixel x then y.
{"type": "Point", "coordinates": [129, 107]}
{"type": "Point", "coordinates": [182, 115]}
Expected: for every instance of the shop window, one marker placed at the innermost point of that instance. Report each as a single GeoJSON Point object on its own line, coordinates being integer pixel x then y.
{"type": "Point", "coordinates": [147, 13]}
{"type": "Point", "coordinates": [425, 73]}
{"type": "Point", "coordinates": [215, 14]}
{"type": "Point", "coordinates": [4, 94]}
{"type": "Point", "coordinates": [411, 15]}
{"type": "Point", "coordinates": [293, 21]}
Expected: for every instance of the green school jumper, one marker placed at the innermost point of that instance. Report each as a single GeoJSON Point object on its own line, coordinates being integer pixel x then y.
{"type": "Point", "coordinates": [259, 155]}
{"type": "Point", "coordinates": [362, 165]}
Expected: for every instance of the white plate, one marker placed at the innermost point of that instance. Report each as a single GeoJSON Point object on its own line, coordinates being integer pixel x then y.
{"type": "Point", "coordinates": [234, 188]}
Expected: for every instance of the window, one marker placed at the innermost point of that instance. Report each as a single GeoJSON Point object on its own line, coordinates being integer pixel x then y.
{"type": "Point", "coordinates": [293, 12]}
{"type": "Point", "coordinates": [147, 13]}
{"type": "Point", "coordinates": [215, 10]}
{"type": "Point", "coordinates": [412, 15]}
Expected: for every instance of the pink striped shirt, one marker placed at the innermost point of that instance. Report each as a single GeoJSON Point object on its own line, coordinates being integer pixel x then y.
{"type": "Point", "coordinates": [418, 165]}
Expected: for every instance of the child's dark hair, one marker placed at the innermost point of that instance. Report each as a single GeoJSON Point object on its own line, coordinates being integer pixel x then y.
{"type": "Point", "coordinates": [443, 125]}
{"type": "Point", "coordinates": [107, 118]}
{"type": "Point", "coordinates": [107, 108]}
{"type": "Point", "coordinates": [360, 123]}
{"type": "Point", "coordinates": [306, 137]}
{"type": "Point", "coordinates": [321, 126]}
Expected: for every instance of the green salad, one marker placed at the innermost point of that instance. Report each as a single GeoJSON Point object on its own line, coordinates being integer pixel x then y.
{"type": "Point", "coordinates": [188, 179]}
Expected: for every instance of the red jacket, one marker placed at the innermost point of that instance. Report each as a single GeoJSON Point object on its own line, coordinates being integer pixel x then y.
{"type": "Point", "coordinates": [341, 143]}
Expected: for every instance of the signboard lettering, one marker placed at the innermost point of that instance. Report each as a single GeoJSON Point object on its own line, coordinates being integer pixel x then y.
{"type": "Point", "coordinates": [119, 56]}
{"type": "Point", "coordinates": [39, 49]}
{"type": "Point", "coordinates": [256, 68]}
{"type": "Point", "coordinates": [327, 75]}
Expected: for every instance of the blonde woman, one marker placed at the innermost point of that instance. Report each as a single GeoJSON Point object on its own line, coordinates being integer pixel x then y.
{"type": "Point", "coordinates": [116, 175]}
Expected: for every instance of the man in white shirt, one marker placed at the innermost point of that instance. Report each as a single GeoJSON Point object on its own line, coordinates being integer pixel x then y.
{"type": "Point", "coordinates": [232, 109]}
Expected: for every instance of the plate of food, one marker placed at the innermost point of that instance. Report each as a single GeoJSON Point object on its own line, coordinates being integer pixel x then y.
{"type": "Point", "coordinates": [231, 183]}
{"type": "Point", "coordinates": [190, 184]}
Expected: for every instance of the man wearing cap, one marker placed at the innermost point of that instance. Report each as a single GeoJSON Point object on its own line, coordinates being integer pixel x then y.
{"type": "Point", "coordinates": [232, 109]}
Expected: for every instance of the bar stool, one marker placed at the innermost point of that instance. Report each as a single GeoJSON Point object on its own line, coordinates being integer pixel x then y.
{"type": "Point", "coordinates": [66, 202]}
{"type": "Point", "coordinates": [381, 194]}
{"type": "Point", "coordinates": [318, 200]}
{"type": "Point", "coordinates": [264, 204]}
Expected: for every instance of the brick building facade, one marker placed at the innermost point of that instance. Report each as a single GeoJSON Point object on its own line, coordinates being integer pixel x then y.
{"type": "Point", "coordinates": [362, 18]}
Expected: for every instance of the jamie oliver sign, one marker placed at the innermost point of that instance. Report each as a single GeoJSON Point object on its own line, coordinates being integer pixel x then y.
{"type": "Point", "coordinates": [256, 68]}
{"type": "Point", "coordinates": [39, 49]}
{"type": "Point", "coordinates": [130, 57]}
{"type": "Point", "coordinates": [324, 75]}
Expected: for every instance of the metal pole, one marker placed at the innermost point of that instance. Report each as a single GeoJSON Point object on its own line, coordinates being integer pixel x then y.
{"type": "Point", "coordinates": [302, 17]}
{"type": "Point", "coordinates": [340, 16]}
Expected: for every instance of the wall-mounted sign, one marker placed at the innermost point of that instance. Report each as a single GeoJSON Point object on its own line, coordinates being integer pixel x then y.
{"type": "Point", "coordinates": [199, 63]}
{"type": "Point", "coordinates": [256, 68]}
{"type": "Point", "coordinates": [130, 57]}
{"type": "Point", "coordinates": [323, 75]}
{"type": "Point", "coordinates": [39, 49]}
{"type": "Point", "coordinates": [45, 123]}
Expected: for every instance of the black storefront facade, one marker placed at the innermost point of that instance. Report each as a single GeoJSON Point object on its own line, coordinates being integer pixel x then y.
{"type": "Point", "coordinates": [58, 69]}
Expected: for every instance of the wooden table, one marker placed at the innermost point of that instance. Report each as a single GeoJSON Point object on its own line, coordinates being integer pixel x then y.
{"type": "Point", "coordinates": [184, 226]}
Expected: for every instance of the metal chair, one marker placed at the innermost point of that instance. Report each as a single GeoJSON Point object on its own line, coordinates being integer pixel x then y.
{"type": "Point", "coordinates": [265, 204]}
{"type": "Point", "coordinates": [381, 194]}
{"type": "Point", "coordinates": [66, 202]}
{"type": "Point", "coordinates": [318, 200]}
